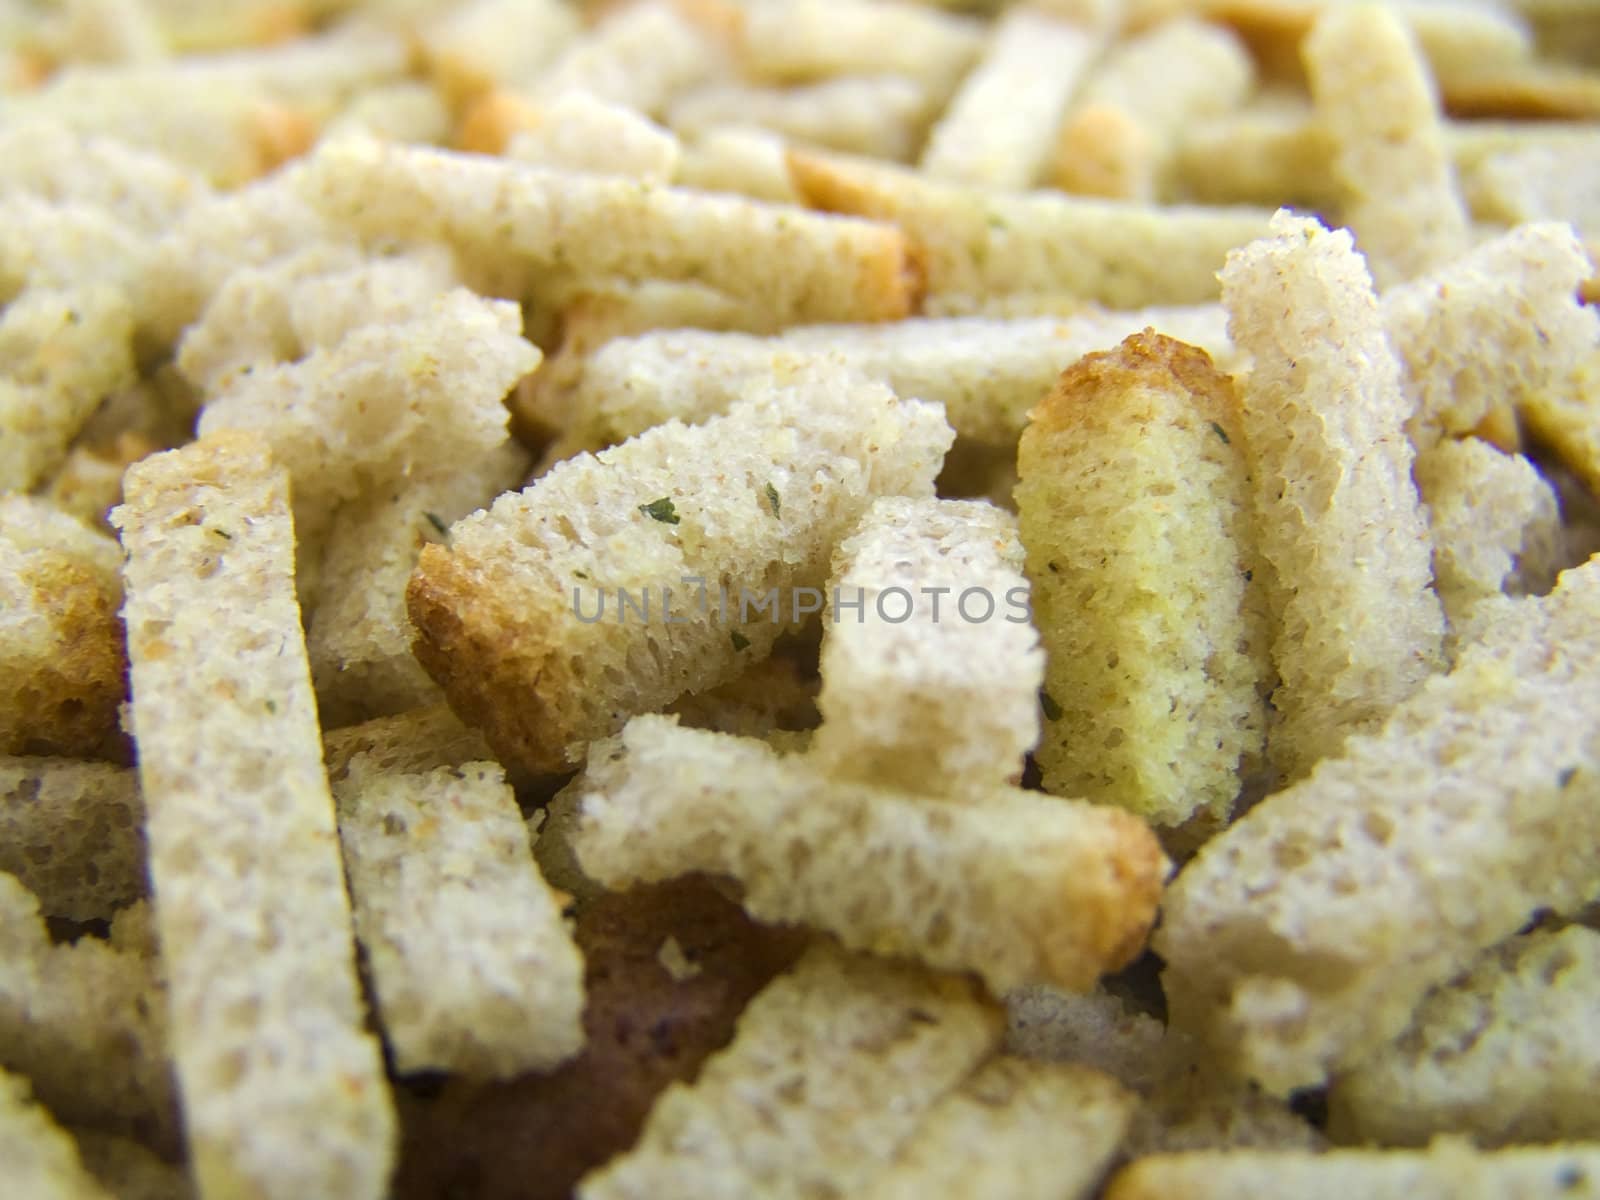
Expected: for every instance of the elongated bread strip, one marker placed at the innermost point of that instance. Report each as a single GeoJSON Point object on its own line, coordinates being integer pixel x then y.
{"type": "Point", "coordinates": [1338, 516]}
{"type": "Point", "coordinates": [641, 56]}
{"type": "Point", "coordinates": [472, 969]}
{"type": "Point", "coordinates": [283, 1090]}
{"type": "Point", "coordinates": [1555, 182]}
{"type": "Point", "coordinates": [474, 47]}
{"type": "Point", "coordinates": [1447, 1170]}
{"type": "Point", "coordinates": [883, 116]}
{"type": "Point", "coordinates": [144, 189]}
{"type": "Point", "coordinates": [1374, 96]}
{"type": "Point", "coordinates": [41, 1161]}
{"type": "Point", "coordinates": [407, 743]}
{"type": "Point", "coordinates": [73, 833]}
{"type": "Point", "coordinates": [1000, 126]}
{"type": "Point", "coordinates": [521, 618]}
{"type": "Point", "coordinates": [1019, 1129]}
{"type": "Point", "coordinates": [1302, 938]}
{"type": "Point", "coordinates": [1018, 887]}
{"type": "Point", "coordinates": [831, 1068]}
{"type": "Point", "coordinates": [578, 132]}
{"type": "Point", "coordinates": [1504, 1053]}
{"type": "Point", "coordinates": [1136, 511]}
{"type": "Point", "coordinates": [1527, 90]}
{"type": "Point", "coordinates": [518, 227]}
{"type": "Point", "coordinates": [406, 111]}
{"type": "Point", "coordinates": [987, 373]}
{"type": "Point", "coordinates": [947, 702]}
{"type": "Point", "coordinates": [976, 242]}
{"type": "Point", "coordinates": [746, 162]}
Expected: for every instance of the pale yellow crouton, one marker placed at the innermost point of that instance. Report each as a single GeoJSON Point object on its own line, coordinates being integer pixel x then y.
{"type": "Point", "coordinates": [642, 55]}
{"type": "Point", "coordinates": [407, 111]}
{"type": "Point", "coordinates": [740, 160]}
{"type": "Point", "coordinates": [884, 116]}
{"type": "Point", "coordinates": [141, 188]}
{"type": "Point", "coordinates": [407, 743]}
{"type": "Point", "coordinates": [41, 1160]}
{"type": "Point", "coordinates": [577, 132]}
{"type": "Point", "coordinates": [481, 45]}
{"type": "Point", "coordinates": [1541, 183]}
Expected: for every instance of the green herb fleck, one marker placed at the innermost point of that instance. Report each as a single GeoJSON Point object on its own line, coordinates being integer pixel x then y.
{"type": "Point", "coordinates": [580, 575]}
{"type": "Point", "coordinates": [662, 510]}
{"type": "Point", "coordinates": [433, 519]}
{"type": "Point", "coordinates": [740, 642]}
{"type": "Point", "coordinates": [772, 499]}
{"type": "Point", "coordinates": [1052, 710]}
{"type": "Point", "coordinates": [1221, 433]}
{"type": "Point", "coordinates": [272, 706]}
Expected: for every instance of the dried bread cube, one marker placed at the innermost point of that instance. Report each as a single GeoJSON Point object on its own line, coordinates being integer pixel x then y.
{"type": "Point", "coordinates": [884, 116]}
{"type": "Point", "coordinates": [574, 131]}
{"type": "Point", "coordinates": [73, 833]}
{"type": "Point", "coordinates": [1502, 1054]}
{"type": "Point", "coordinates": [103, 31]}
{"type": "Point", "coordinates": [145, 190]}
{"type": "Point", "coordinates": [407, 743]}
{"type": "Point", "coordinates": [68, 246]}
{"type": "Point", "coordinates": [1301, 939]}
{"type": "Point", "coordinates": [830, 1070]}
{"type": "Point", "coordinates": [1262, 154]}
{"type": "Point", "coordinates": [1374, 97]}
{"type": "Point", "coordinates": [772, 699]}
{"type": "Point", "coordinates": [406, 111]}
{"type": "Point", "coordinates": [192, 26]}
{"type": "Point", "coordinates": [88, 485]}
{"type": "Point", "coordinates": [86, 1021]}
{"type": "Point", "coordinates": [1550, 182]}
{"type": "Point", "coordinates": [41, 1160]}
{"type": "Point", "coordinates": [1338, 517]}
{"type": "Point", "coordinates": [512, 614]}
{"type": "Point", "coordinates": [988, 1136]}
{"type": "Point", "coordinates": [1017, 887]}
{"type": "Point", "coordinates": [472, 969]}
{"type": "Point", "coordinates": [283, 1090]}
{"type": "Point", "coordinates": [741, 160]}
{"type": "Point", "coordinates": [643, 55]}
{"type": "Point", "coordinates": [1098, 1029]}
{"type": "Point", "coordinates": [517, 228]}
{"type": "Point", "coordinates": [912, 698]}
{"type": "Point", "coordinates": [60, 640]}
{"type": "Point", "coordinates": [1136, 511]}
{"type": "Point", "coordinates": [480, 45]}
{"type": "Point", "coordinates": [974, 242]}
{"type": "Point", "coordinates": [1447, 1169]}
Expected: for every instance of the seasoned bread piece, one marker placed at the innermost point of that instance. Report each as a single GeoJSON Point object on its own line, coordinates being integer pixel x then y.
{"type": "Point", "coordinates": [506, 220]}
{"type": "Point", "coordinates": [642, 55]}
{"type": "Point", "coordinates": [930, 665]}
{"type": "Point", "coordinates": [1338, 517]}
{"type": "Point", "coordinates": [884, 116]}
{"type": "Point", "coordinates": [130, 1171]}
{"type": "Point", "coordinates": [73, 833]}
{"type": "Point", "coordinates": [746, 162]}
{"type": "Point", "coordinates": [1541, 182]}
{"type": "Point", "coordinates": [521, 617]}
{"type": "Point", "coordinates": [1018, 887]}
{"type": "Point", "coordinates": [831, 1068]}
{"type": "Point", "coordinates": [407, 743]}
{"type": "Point", "coordinates": [1135, 507]}
{"type": "Point", "coordinates": [41, 1160]}
{"type": "Point", "coordinates": [1301, 939]}
{"type": "Point", "coordinates": [472, 969]}
{"type": "Point", "coordinates": [1505, 1054]}
{"type": "Point", "coordinates": [575, 131]}
{"type": "Point", "coordinates": [282, 1088]}
{"type": "Point", "coordinates": [974, 242]}
{"type": "Point", "coordinates": [61, 644]}
{"type": "Point", "coordinates": [474, 47]}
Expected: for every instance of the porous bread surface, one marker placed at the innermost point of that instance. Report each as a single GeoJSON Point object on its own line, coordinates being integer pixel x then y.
{"type": "Point", "coordinates": [1018, 887]}
{"type": "Point", "coordinates": [1338, 518]}
{"type": "Point", "coordinates": [1013, 1128]}
{"type": "Point", "coordinates": [85, 1022]}
{"type": "Point", "coordinates": [69, 246]}
{"type": "Point", "coordinates": [879, 115]}
{"type": "Point", "coordinates": [1373, 95]}
{"type": "Point", "coordinates": [505, 220]}
{"type": "Point", "coordinates": [283, 1090]}
{"type": "Point", "coordinates": [1136, 511]}
{"type": "Point", "coordinates": [999, 126]}
{"type": "Point", "coordinates": [408, 110]}
{"type": "Point", "coordinates": [1549, 182]}
{"type": "Point", "coordinates": [579, 132]}
{"type": "Point", "coordinates": [986, 372]}
{"type": "Point", "coordinates": [60, 640]}
{"type": "Point", "coordinates": [1447, 1170]}
{"type": "Point", "coordinates": [1097, 1029]}
{"type": "Point", "coordinates": [41, 1160]}
{"type": "Point", "coordinates": [830, 1070]}
{"type": "Point", "coordinates": [506, 614]}
{"type": "Point", "coordinates": [1302, 938]}
{"type": "Point", "coordinates": [1506, 1053]}
{"type": "Point", "coordinates": [771, 698]}
{"type": "Point", "coordinates": [473, 47]}
{"type": "Point", "coordinates": [746, 162]}
{"type": "Point", "coordinates": [947, 702]}
{"type": "Point", "coordinates": [639, 57]}
{"type": "Point", "coordinates": [1191, 1109]}
{"type": "Point", "coordinates": [473, 970]}
{"type": "Point", "coordinates": [73, 833]}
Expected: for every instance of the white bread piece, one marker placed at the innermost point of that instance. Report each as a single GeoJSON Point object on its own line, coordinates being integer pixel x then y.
{"type": "Point", "coordinates": [999, 127]}
{"type": "Point", "coordinates": [517, 228]}
{"type": "Point", "coordinates": [1013, 1130]}
{"type": "Point", "coordinates": [1541, 183]}
{"type": "Point", "coordinates": [145, 190]}
{"type": "Point", "coordinates": [407, 743]}
{"type": "Point", "coordinates": [580, 133]}
{"type": "Point", "coordinates": [1135, 504]}
{"type": "Point", "coordinates": [283, 1091]}
{"type": "Point", "coordinates": [520, 619]}
{"type": "Point", "coordinates": [1191, 1108]}
{"type": "Point", "coordinates": [883, 116]}
{"type": "Point", "coordinates": [406, 111]}
{"type": "Point", "coordinates": [1098, 1029]}
{"type": "Point", "coordinates": [642, 55]}
{"type": "Point", "coordinates": [1017, 887]}
{"type": "Point", "coordinates": [88, 485]}
{"type": "Point", "coordinates": [974, 242]}
{"type": "Point", "coordinates": [1338, 516]}
{"type": "Point", "coordinates": [61, 644]}
{"type": "Point", "coordinates": [1504, 1054]}
{"type": "Point", "coordinates": [472, 968]}
{"type": "Point", "coordinates": [68, 246]}
{"type": "Point", "coordinates": [1447, 1170]}
{"type": "Point", "coordinates": [63, 352]}
{"type": "Point", "coordinates": [831, 1068]}
{"type": "Point", "coordinates": [1373, 95]}
{"type": "Point", "coordinates": [1156, 83]}
{"type": "Point", "coordinates": [73, 833]}
{"type": "Point", "coordinates": [85, 1022]}
{"type": "Point", "coordinates": [988, 373]}
{"type": "Point", "coordinates": [480, 45]}
{"type": "Point", "coordinates": [130, 1171]}
{"type": "Point", "coordinates": [1302, 938]}
{"type": "Point", "coordinates": [946, 702]}
{"type": "Point", "coordinates": [41, 1159]}
{"type": "Point", "coordinates": [740, 160]}
{"type": "Point", "coordinates": [793, 41]}
{"type": "Point", "coordinates": [104, 31]}
{"type": "Point", "coordinates": [771, 698]}
{"type": "Point", "coordinates": [359, 638]}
